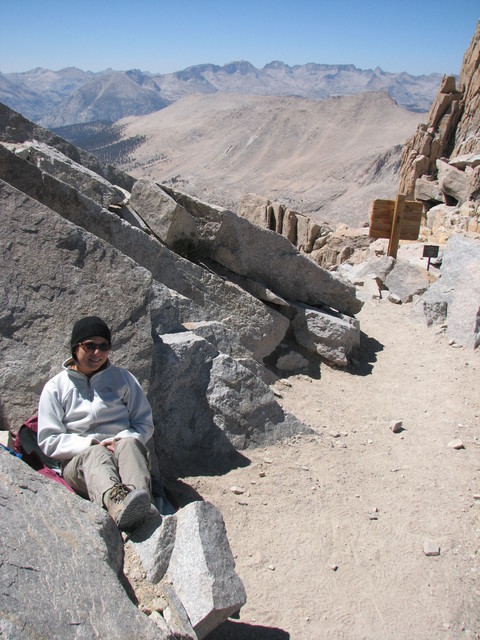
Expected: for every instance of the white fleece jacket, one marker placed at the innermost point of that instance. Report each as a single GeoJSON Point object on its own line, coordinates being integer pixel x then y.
{"type": "Point", "coordinates": [75, 411]}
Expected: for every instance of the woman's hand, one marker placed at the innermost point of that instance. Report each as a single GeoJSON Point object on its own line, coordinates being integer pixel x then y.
{"type": "Point", "coordinates": [109, 444]}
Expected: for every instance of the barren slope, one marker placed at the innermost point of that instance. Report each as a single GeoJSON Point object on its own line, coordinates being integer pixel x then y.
{"type": "Point", "coordinates": [328, 159]}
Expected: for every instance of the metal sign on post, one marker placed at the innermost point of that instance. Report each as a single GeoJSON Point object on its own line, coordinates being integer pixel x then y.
{"type": "Point", "coordinates": [396, 220]}
{"type": "Point", "coordinates": [430, 251]}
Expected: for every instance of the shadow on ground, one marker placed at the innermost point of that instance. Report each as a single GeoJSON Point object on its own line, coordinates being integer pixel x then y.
{"type": "Point", "coordinates": [364, 356]}
{"type": "Point", "coordinates": [230, 630]}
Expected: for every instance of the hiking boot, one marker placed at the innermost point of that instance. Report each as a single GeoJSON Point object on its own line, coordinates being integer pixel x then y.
{"type": "Point", "coordinates": [128, 507]}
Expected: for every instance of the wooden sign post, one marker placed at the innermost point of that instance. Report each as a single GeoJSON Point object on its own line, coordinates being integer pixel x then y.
{"type": "Point", "coordinates": [396, 220]}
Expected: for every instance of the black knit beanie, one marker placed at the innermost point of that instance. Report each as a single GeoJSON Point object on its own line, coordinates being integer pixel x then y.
{"type": "Point", "coordinates": [87, 328]}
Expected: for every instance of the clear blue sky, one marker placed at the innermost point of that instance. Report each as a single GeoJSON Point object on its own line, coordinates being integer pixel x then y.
{"type": "Point", "coordinates": [417, 36]}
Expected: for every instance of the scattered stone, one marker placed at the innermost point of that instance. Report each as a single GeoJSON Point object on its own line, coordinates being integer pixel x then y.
{"type": "Point", "coordinates": [334, 567]}
{"type": "Point", "coordinates": [237, 490]}
{"type": "Point", "coordinates": [431, 548]}
{"type": "Point", "coordinates": [456, 443]}
{"type": "Point", "coordinates": [396, 426]}
{"type": "Point", "coordinates": [392, 297]}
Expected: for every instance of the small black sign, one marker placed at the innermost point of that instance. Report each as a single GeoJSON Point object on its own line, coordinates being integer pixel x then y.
{"type": "Point", "coordinates": [430, 251]}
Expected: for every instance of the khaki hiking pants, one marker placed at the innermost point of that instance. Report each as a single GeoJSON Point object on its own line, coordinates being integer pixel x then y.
{"type": "Point", "coordinates": [94, 471]}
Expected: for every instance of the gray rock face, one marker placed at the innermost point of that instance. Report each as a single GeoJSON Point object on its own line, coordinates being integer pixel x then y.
{"type": "Point", "coordinates": [61, 557]}
{"type": "Point", "coordinates": [406, 281]}
{"type": "Point", "coordinates": [168, 220]}
{"type": "Point", "coordinates": [332, 336]}
{"type": "Point", "coordinates": [455, 297]}
{"type": "Point", "coordinates": [52, 273]}
{"type": "Point", "coordinates": [208, 414]}
{"type": "Point", "coordinates": [209, 588]}
{"type": "Point", "coordinates": [190, 550]}
{"type": "Point", "coordinates": [242, 247]}
{"type": "Point", "coordinates": [55, 163]}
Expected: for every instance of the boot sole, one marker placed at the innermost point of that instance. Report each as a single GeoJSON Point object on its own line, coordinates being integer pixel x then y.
{"type": "Point", "coordinates": [136, 508]}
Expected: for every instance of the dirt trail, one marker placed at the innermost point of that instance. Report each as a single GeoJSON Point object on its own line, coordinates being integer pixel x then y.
{"type": "Point", "coordinates": [329, 535]}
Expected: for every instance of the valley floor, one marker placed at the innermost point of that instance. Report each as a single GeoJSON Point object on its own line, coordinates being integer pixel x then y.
{"type": "Point", "coordinates": [332, 531]}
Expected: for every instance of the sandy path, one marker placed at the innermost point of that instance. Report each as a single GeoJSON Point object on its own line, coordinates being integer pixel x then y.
{"type": "Point", "coordinates": [329, 534]}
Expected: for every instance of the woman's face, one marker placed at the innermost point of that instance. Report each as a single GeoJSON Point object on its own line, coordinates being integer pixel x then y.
{"type": "Point", "coordinates": [89, 359]}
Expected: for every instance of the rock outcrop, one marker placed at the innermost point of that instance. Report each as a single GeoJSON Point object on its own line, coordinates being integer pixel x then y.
{"type": "Point", "coordinates": [325, 246]}
{"type": "Point", "coordinates": [441, 168]}
{"type": "Point", "coordinates": [441, 162]}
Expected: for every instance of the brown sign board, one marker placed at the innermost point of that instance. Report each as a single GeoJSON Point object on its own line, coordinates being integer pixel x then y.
{"type": "Point", "coordinates": [430, 251]}
{"type": "Point", "coordinates": [382, 214]}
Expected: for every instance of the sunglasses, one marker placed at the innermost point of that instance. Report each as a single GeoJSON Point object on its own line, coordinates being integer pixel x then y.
{"type": "Point", "coordinates": [93, 346]}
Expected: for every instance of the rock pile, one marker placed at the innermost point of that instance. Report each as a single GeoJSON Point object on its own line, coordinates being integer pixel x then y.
{"type": "Point", "coordinates": [324, 245]}
{"type": "Point", "coordinates": [441, 162]}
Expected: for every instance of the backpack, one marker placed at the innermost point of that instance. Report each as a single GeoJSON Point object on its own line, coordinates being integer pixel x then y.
{"type": "Point", "coordinates": [26, 445]}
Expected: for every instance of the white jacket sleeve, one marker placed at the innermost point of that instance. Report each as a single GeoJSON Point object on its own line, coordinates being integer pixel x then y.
{"type": "Point", "coordinates": [139, 411]}
{"type": "Point", "coordinates": [52, 435]}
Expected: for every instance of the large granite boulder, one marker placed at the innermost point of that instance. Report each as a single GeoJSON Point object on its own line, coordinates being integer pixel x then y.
{"type": "Point", "coordinates": [332, 336]}
{"type": "Point", "coordinates": [264, 255]}
{"type": "Point", "coordinates": [455, 297]}
{"type": "Point", "coordinates": [205, 296]}
{"type": "Point", "coordinates": [62, 560]}
{"type": "Point", "coordinates": [166, 219]}
{"type": "Point", "coordinates": [54, 162]}
{"type": "Point", "coordinates": [215, 408]}
{"type": "Point", "coordinates": [52, 273]}
{"type": "Point", "coordinates": [190, 553]}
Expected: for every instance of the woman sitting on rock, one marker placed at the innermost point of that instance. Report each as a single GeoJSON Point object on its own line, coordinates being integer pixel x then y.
{"type": "Point", "coordinates": [95, 418]}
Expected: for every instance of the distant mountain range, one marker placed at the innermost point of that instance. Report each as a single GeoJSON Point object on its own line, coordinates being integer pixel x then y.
{"type": "Point", "coordinates": [69, 96]}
